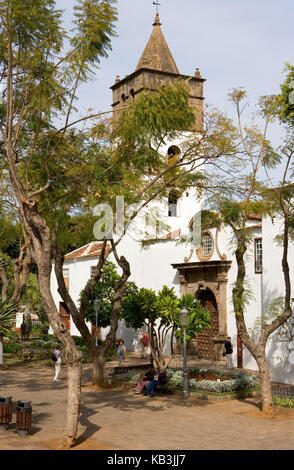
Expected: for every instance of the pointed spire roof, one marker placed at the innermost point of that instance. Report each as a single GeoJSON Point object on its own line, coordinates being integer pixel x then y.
{"type": "Point", "coordinates": [156, 55]}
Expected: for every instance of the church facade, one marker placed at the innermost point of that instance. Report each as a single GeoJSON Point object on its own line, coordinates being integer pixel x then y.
{"type": "Point", "coordinates": [207, 272]}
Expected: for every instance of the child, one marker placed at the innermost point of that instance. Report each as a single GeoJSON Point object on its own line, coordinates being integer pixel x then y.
{"type": "Point", "coordinates": [121, 351]}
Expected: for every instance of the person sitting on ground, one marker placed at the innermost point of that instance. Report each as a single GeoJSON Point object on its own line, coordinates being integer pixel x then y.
{"type": "Point", "coordinates": [161, 379]}
{"type": "Point", "coordinates": [146, 379]}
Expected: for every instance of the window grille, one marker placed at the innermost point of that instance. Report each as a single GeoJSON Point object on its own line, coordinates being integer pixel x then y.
{"type": "Point", "coordinates": [258, 255]}
{"type": "Point", "coordinates": [206, 245]}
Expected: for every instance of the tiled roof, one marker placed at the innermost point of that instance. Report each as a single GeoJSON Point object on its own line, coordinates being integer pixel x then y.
{"type": "Point", "coordinates": [254, 216]}
{"type": "Point", "coordinates": [170, 235]}
{"type": "Point", "coordinates": [92, 250]}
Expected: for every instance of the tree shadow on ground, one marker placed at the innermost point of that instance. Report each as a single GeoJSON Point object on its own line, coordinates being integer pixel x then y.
{"type": "Point", "coordinates": [253, 403]}
{"type": "Point", "coordinates": [125, 400]}
{"type": "Point", "coordinates": [91, 428]}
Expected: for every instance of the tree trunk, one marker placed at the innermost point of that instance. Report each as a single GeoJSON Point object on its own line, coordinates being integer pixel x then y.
{"type": "Point", "coordinates": [72, 358]}
{"type": "Point", "coordinates": [1, 351]}
{"type": "Point", "coordinates": [267, 406]}
{"type": "Point", "coordinates": [98, 367]}
{"type": "Point", "coordinates": [40, 236]}
{"type": "Point", "coordinates": [5, 283]}
{"type": "Point", "coordinates": [74, 395]}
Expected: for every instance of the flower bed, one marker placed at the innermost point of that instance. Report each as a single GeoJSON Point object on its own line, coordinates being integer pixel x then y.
{"type": "Point", "coordinates": [223, 381]}
{"type": "Point", "coordinates": [205, 380]}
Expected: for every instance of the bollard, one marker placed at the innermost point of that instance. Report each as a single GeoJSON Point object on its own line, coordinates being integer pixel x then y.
{"type": "Point", "coordinates": [5, 412]}
{"type": "Point", "coordinates": [23, 417]}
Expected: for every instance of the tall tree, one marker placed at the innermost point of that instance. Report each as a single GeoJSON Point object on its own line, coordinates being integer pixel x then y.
{"type": "Point", "coordinates": [40, 83]}
{"type": "Point", "coordinates": [242, 193]}
{"type": "Point", "coordinates": [135, 168]}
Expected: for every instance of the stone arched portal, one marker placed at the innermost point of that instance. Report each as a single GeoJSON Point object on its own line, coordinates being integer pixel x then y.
{"type": "Point", "coordinates": [205, 341]}
{"type": "Point", "coordinates": [207, 281]}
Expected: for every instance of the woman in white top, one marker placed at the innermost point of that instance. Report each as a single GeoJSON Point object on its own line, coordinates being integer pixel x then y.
{"type": "Point", "coordinates": [58, 354]}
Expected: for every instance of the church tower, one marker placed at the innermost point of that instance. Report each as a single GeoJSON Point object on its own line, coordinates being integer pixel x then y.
{"type": "Point", "coordinates": [157, 67]}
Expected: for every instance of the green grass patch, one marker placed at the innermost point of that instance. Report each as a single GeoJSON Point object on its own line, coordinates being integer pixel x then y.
{"type": "Point", "coordinates": [284, 402]}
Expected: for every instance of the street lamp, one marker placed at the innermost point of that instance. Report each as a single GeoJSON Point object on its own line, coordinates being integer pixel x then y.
{"type": "Point", "coordinates": [184, 320]}
{"type": "Point", "coordinates": [96, 309]}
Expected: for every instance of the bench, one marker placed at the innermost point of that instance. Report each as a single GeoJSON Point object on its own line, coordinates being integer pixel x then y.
{"type": "Point", "coordinates": [164, 387]}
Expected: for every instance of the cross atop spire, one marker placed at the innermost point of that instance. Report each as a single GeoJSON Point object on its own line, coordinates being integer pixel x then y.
{"type": "Point", "coordinates": [157, 5]}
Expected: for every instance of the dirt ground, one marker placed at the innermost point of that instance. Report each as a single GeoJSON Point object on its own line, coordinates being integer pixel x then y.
{"type": "Point", "coordinates": [118, 419]}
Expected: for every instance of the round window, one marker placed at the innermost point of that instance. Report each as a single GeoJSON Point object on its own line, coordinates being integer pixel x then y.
{"type": "Point", "coordinates": [206, 244]}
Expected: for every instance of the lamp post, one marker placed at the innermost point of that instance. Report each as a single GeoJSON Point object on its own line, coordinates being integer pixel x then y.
{"type": "Point", "coordinates": [96, 309]}
{"type": "Point", "coordinates": [184, 320]}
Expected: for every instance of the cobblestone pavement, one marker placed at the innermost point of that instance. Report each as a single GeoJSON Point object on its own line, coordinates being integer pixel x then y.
{"type": "Point", "coordinates": [121, 420]}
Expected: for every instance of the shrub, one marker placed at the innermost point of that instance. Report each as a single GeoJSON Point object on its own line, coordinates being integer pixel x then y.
{"type": "Point", "coordinates": [110, 353]}
{"type": "Point", "coordinates": [79, 340]}
{"type": "Point", "coordinates": [285, 402]}
{"type": "Point", "coordinates": [36, 345]}
{"type": "Point", "coordinates": [239, 381]}
{"type": "Point", "coordinates": [132, 375]}
{"type": "Point", "coordinates": [49, 363]}
{"type": "Point", "coordinates": [11, 348]}
{"type": "Point", "coordinates": [86, 359]}
{"type": "Point", "coordinates": [49, 345]}
{"type": "Point", "coordinates": [48, 338]}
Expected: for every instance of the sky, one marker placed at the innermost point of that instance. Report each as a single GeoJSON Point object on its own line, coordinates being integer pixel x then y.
{"type": "Point", "coordinates": [235, 43]}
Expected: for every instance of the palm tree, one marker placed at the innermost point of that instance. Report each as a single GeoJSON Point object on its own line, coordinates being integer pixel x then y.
{"type": "Point", "coordinates": [7, 318]}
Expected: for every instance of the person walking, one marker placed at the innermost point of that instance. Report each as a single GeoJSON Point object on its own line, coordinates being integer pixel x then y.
{"type": "Point", "coordinates": [28, 326]}
{"type": "Point", "coordinates": [229, 353]}
{"type": "Point", "coordinates": [121, 351]}
{"type": "Point", "coordinates": [23, 328]}
{"type": "Point", "coordinates": [58, 355]}
{"type": "Point", "coordinates": [144, 345]}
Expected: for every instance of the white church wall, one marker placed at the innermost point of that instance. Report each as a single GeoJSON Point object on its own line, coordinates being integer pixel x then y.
{"type": "Point", "coordinates": [279, 354]}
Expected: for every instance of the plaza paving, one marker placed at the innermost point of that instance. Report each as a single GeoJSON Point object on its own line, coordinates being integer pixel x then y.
{"type": "Point", "coordinates": [117, 419]}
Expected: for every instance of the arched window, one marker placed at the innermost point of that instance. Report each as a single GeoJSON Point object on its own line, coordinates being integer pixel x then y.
{"type": "Point", "coordinates": [173, 154]}
{"type": "Point", "coordinates": [206, 244]}
{"type": "Point", "coordinates": [172, 204]}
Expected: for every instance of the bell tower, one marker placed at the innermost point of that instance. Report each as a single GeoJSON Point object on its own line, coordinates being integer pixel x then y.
{"type": "Point", "coordinates": [155, 68]}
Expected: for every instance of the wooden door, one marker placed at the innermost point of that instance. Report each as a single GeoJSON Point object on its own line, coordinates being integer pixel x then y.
{"type": "Point", "coordinates": [204, 340]}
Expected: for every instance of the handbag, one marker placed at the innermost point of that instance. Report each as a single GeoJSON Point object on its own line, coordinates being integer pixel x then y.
{"type": "Point", "coordinates": [224, 353]}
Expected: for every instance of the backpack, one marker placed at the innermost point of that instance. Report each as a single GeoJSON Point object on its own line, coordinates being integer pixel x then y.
{"type": "Point", "coordinates": [54, 358]}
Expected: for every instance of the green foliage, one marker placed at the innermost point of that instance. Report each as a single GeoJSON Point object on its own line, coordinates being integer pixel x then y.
{"type": "Point", "coordinates": [103, 291]}
{"type": "Point", "coordinates": [145, 306]}
{"type": "Point", "coordinates": [94, 29]}
{"type": "Point", "coordinates": [139, 305]}
{"type": "Point", "coordinates": [7, 317]}
{"type": "Point", "coordinates": [152, 125]}
{"type": "Point", "coordinates": [11, 348]}
{"type": "Point", "coordinates": [200, 319]}
{"type": "Point", "coordinates": [48, 338]}
{"type": "Point", "coordinates": [286, 112]}
{"type": "Point", "coordinates": [284, 402]}
{"type": "Point", "coordinates": [79, 340]}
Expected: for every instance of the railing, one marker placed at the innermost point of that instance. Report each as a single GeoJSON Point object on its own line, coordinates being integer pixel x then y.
{"type": "Point", "coordinates": [283, 391]}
